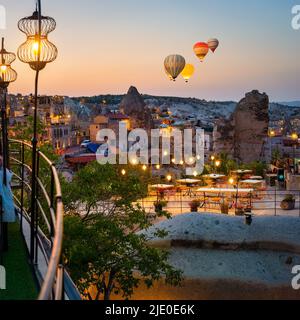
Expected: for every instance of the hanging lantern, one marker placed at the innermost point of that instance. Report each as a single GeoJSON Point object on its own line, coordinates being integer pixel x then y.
{"type": "Point", "coordinates": [7, 74]}
{"type": "Point", "coordinates": [37, 51]}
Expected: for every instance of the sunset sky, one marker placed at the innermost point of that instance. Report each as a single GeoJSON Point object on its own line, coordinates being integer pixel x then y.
{"type": "Point", "coordinates": [107, 45]}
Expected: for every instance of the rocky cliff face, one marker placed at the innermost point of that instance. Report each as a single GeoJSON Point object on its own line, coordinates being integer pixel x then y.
{"type": "Point", "coordinates": [242, 136]}
{"type": "Point", "coordinates": [134, 106]}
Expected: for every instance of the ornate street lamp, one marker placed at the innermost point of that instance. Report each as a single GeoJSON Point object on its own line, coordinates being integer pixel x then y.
{"type": "Point", "coordinates": [7, 75]}
{"type": "Point", "coordinates": [37, 51]}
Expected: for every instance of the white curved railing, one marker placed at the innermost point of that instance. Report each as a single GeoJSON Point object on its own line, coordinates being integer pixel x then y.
{"type": "Point", "coordinates": [47, 231]}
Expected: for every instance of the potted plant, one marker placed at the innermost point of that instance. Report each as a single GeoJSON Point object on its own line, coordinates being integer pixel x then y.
{"type": "Point", "coordinates": [194, 205]}
{"type": "Point", "coordinates": [288, 203]}
{"type": "Point", "coordinates": [159, 205]}
{"type": "Point", "coordinates": [224, 206]}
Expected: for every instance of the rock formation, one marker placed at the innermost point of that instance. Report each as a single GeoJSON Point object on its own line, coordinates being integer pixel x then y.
{"type": "Point", "coordinates": [134, 106]}
{"type": "Point", "coordinates": [242, 135]}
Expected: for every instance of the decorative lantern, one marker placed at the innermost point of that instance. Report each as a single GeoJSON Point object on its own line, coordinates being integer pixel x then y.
{"type": "Point", "coordinates": [7, 74]}
{"type": "Point", "coordinates": [37, 51]}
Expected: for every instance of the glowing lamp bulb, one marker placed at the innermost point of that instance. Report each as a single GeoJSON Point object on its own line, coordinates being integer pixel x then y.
{"type": "Point", "coordinates": [231, 181]}
{"type": "Point", "coordinates": [169, 177]}
{"type": "Point", "coordinates": [35, 47]}
{"type": "Point", "coordinates": [3, 69]}
{"type": "Point", "coordinates": [123, 172]}
{"type": "Point", "coordinates": [144, 167]}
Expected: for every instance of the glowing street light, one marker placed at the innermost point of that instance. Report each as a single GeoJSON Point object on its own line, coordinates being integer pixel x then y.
{"type": "Point", "coordinates": [231, 181]}
{"type": "Point", "coordinates": [7, 75]}
{"type": "Point", "coordinates": [295, 138]}
{"type": "Point", "coordinates": [37, 51]}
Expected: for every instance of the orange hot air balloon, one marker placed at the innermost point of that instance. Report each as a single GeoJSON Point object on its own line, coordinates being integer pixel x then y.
{"type": "Point", "coordinates": [213, 44]}
{"type": "Point", "coordinates": [201, 49]}
{"type": "Point", "coordinates": [187, 72]}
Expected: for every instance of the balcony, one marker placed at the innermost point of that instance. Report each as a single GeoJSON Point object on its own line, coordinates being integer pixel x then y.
{"type": "Point", "coordinates": [33, 260]}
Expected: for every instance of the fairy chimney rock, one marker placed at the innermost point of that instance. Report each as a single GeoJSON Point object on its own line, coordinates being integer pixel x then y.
{"type": "Point", "coordinates": [135, 107]}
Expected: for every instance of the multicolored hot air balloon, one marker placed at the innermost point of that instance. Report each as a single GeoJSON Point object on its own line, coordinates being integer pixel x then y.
{"type": "Point", "coordinates": [201, 49]}
{"type": "Point", "coordinates": [213, 44]}
{"type": "Point", "coordinates": [187, 72]}
{"type": "Point", "coordinates": [168, 75]}
{"type": "Point", "coordinates": [174, 64]}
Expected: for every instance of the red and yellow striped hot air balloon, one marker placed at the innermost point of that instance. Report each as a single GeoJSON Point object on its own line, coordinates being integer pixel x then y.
{"type": "Point", "coordinates": [174, 64]}
{"type": "Point", "coordinates": [201, 49]}
{"type": "Point", "coordinates": [213, 44]}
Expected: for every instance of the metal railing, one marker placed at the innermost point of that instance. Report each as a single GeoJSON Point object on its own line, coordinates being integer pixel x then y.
{"type": "Point", "coordinates": [257, 202]}
{"type": "Point", "coordinates": [44, 236]}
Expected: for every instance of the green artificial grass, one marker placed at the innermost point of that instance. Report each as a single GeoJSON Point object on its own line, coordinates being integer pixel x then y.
{"type": "Point", "coordinates": [20, 284]}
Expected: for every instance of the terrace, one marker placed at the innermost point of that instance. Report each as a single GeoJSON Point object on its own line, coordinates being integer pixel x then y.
{"type": "Point", "coordinates": [246, 195]}
{"type": "Point", "coordinates": [33, 260]}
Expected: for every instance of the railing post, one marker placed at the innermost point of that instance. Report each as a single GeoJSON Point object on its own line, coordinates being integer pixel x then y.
{"type": "Point", "coordinates": [181, 200]}
{"type": "Point", "coordinates": [22, 186]}
{"type": "Point", "coordinates": [1, 233]}
{"type": "Point", "coordinates": [275, 197]}
{"type": "Point", "coordinates": [36, 207]}
{"type": "Point", "coordinates": [52, 204]}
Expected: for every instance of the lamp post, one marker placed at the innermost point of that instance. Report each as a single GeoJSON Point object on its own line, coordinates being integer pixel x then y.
{"type": "Point", "coordinates": [271, 136]}
{"type": "Point", "coordinates": [295, 144]}
{"type": "Point", "coordinates": [37, 51]}
{"type": "Point", "coordinates": [7, 75]}
{"type": "Point", "coordinates": [235, 183]}
{"type": "Point", "coordinates": [217, 165]}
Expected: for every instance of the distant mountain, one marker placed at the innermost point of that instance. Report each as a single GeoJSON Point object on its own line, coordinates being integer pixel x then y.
{"type": "Point", "coordinates": [203, 111]}
{"type": "Point", "coordinates": [291, 103]}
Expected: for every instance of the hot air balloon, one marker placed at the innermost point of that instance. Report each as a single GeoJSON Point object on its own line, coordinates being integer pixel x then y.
{"type": "Point", "coordinates": [213, 44]}
{"type": "Point", "coordinates": [168, 75]}
{"type": "Point", "coordinates": [201, 50]}
{"type": "Point", "coordinates": [174, 64]}
{"type": "Point", "coordinates": [187, 72]}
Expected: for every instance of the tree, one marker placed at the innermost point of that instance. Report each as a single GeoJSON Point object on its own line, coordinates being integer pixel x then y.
{"type": "Point", "coordinates": [25, 132]}
{"type": "Point", "coordinates": [103, 248]}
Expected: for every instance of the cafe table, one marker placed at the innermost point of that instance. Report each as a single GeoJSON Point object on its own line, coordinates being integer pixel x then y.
{"type": "Point", "coordinates": [256, 178]}
{"type": "Point", "coordinates": [214, 176]}
{"type": "Point", "coordinates": [162, 188]}
{"type": "Point", "coordinates": [222, 191]}
{"type": "Point", "coordinates": [251, 181]}
{"type": "Point", "coordinates": [190, 183]}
